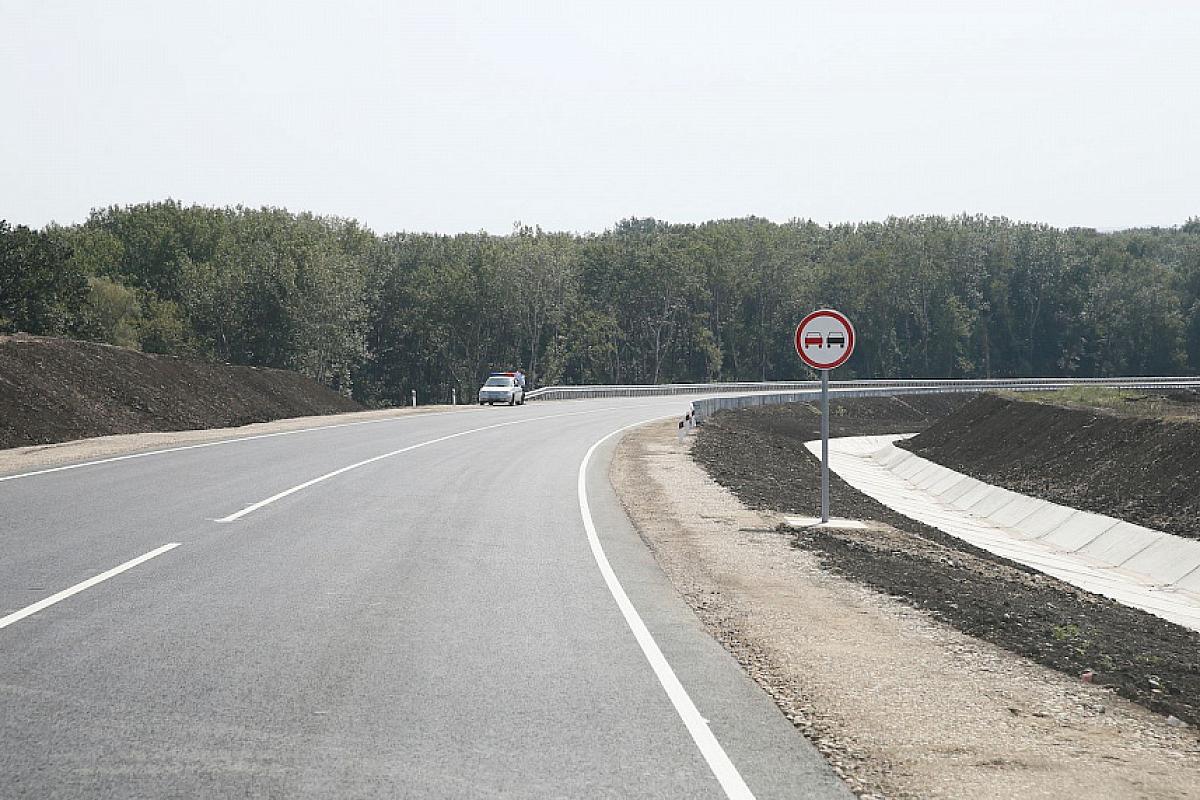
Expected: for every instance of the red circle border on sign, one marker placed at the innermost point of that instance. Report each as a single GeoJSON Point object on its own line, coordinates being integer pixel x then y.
{"type": "Point", "coordinates": [840, 317]}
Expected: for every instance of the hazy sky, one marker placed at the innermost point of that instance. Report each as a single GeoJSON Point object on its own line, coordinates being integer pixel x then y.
{"type": "Point", "coordinates": [467, 116]}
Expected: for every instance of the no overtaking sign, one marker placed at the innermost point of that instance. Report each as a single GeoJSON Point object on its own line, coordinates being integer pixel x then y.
{"type": "Point", "coordinates": [825, 339]}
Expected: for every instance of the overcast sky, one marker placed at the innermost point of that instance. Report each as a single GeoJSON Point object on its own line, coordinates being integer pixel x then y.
{"type": "Point", "coordinates": [468, 116]}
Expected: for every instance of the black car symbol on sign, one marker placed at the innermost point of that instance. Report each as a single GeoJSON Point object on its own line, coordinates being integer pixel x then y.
{"type": "Point", "coordinates": [835, 338]}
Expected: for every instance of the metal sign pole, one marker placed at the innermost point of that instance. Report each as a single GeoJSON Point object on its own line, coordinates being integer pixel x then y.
{"type": "Point", "coordinates": [824, 446]}
{"type": "Point", "coordinates": [824, 340]}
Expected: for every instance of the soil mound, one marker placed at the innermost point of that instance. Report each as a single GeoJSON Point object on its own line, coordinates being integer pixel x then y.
{"type": "Point", "coordinates": [1140, 469]}
{"type": "Point", "coordinates": [58, 390]}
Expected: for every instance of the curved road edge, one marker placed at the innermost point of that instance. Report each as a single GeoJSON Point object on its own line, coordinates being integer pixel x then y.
{"type": "Point", "coordinates": [773, 757]}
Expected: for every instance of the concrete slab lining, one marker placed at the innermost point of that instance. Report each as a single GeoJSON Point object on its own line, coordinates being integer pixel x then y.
{"type": "Point", "coordinates": [973, 495]}
{"type": "Point", "coordinates": [1164, 559]}
{"type": "Point", "coordinates": [1047, 519]}
{"type": "Point", "coordinates": [890, 455]}
{"type": "Point", "coordinates": [1078, 530]}
{"type": "Point", "coordinates": [936, 484]}
{"type": "Point", "coordinates": [948, 482]}
{"type": "Point", "coordinates": [1012, 513]}
{"type": "Point", "coordinates": [929, 476]}
{"type": "Point", "coordinates": [1120, 543]}
{"type": "Point", "coordinates": [960, 489]}
{"type": "Point", "coordinates": [1132, 564]}
{"type": "Point", "coordinates": [909, 467]}
{"type": "Point", "coordinates": [995, 499]}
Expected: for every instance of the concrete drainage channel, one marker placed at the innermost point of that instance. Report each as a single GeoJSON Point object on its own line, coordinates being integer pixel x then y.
{"type": "Point", "coordinates": [1148, 569]}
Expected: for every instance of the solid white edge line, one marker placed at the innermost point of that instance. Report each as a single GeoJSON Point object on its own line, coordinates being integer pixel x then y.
{"type": "Point", "coordinates": [79, 587]}
{"type": "Point", "coordinates": [718, 760]}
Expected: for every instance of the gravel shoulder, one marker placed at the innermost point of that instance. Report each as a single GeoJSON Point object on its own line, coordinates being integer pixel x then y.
{"type": "Point", "coordinates": [902, 703]}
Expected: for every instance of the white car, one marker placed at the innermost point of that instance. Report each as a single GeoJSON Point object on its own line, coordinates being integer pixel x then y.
{"type": "Point", "coordinates": [502, 387]}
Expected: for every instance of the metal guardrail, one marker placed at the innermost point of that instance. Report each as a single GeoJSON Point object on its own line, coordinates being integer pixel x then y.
{"type": "Point", "coordinates": [743, 395]}
{"type": "Point", "coordinates": [647, 390]}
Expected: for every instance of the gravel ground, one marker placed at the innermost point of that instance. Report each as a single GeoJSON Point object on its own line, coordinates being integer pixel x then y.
{"type": "Point", "coordinates": [903, 704]}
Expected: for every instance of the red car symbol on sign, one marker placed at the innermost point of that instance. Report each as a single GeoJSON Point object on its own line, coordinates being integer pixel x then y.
{"type": "Point", "coordinates": [811, 339]}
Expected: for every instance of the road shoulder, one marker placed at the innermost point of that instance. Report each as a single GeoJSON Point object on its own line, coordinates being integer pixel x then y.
{"type": "Point", "coordinates": [901, 705]}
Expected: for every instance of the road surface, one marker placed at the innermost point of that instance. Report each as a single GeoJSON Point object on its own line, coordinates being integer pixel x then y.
{"type": "Point", "coordinates": [439, 605]}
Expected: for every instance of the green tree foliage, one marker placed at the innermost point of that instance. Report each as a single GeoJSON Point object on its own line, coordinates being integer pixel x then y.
{"type": "Point", "coordinates": [41, 290]}
{"type": "Point", "coordinates": [113, 313]}
{"type": "Point", "coordinates": [281, 290]}
{"type": "Point", "coordinates": [643, 302]}
{"type": "Point", "coordinates": [145, 244]}
{"type": "Point", "coordinates": [543, 287]}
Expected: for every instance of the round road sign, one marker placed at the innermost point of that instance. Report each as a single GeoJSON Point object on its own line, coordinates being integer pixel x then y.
{"type": "Point", "coordinates": [825, 339]}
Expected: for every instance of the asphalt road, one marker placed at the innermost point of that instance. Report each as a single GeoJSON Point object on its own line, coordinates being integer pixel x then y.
{"type": "Point", "coordinates": [452, 609]}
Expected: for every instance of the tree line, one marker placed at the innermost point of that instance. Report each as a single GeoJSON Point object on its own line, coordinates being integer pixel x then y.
{"type": "Point", "coordinates": [643, 302]}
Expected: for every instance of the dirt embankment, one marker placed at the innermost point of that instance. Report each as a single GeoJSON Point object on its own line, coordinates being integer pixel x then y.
{"type": "Point", "coordinates": [1142, 469]}
{"type": "Point", "coordinates": [58, 390]}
